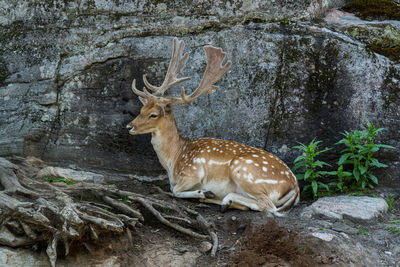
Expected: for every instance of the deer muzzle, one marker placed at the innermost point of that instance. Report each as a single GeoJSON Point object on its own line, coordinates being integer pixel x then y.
{"type": "Point", "coordinates": [131, 128]}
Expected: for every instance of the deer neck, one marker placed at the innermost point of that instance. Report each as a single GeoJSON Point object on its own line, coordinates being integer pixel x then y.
{"type": "Point", "coordinates": [167, 143]}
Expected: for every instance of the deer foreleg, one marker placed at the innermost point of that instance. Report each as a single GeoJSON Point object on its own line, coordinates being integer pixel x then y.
{"type": "Point", "coordinates": [264, 203]}
{"type": "Point", "coordinates": [188, 189]}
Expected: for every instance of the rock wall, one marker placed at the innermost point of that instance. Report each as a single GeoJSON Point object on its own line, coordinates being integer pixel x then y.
{"type": "Point", "coordinates": [66, 69]}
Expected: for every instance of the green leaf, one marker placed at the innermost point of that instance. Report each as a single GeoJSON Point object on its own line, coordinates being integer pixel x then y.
{"type": "Point", "coordinates": [301, 157]}
{"type": "Point", "coordinates": [374, 149]}
{"type": "Point", "coordinates": [376, 163]}
{"type": "Point", "coordinates": [323, 185]}
{"type": "Point", "coordinates": [373, 178]}
{"type": "Point", "coordinates": [320, 163]}
{"type": "Point", "coordinates": [301, 146]}
{"type": "Point", "coordinates": [362, 169]}
{"type": "Point", "coordinates": [343, 158]}
{"type": "Point", "coordinates": [363, 184]}
{"type": "Point", "coordinates": [298, 165]}
{"type": "Point", "coordinates": [314, 186]}
{"type": "Point", "coordinates": [300, 177]}
{"type": "Point", "coordinates": [307, 174]}
{"type": "Point", "coordinates": [385, 146]}
{"type": "Point", "coordinates": [339, 185]}
{"type": "Point", "coordinates": [322, 151]}
{"type": "Point", "coordinates": [306, 187]}
{"type": "Point", "coordinates": [356, 174]}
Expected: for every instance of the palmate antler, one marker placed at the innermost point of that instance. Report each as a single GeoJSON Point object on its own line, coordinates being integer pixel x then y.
{"type": "Point", "coordinates": [213, 73]}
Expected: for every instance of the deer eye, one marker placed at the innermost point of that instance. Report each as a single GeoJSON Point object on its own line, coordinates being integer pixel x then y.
{"type": "Point", "coordinates": [152, 116]}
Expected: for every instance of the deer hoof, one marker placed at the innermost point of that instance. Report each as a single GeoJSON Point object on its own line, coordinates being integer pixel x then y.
{"type": "Point", "coordinates": [209, 194]}
{"type": "Point", "coordinates": [226, 206]}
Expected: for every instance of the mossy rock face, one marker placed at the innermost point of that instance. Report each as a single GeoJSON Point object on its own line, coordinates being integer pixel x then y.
{"type": "Point", "coordinates": [374, 9]}
{"type": "Point", "coordinates": [383, 39]}
{"type": "Point", "coordinates": [393, 53]}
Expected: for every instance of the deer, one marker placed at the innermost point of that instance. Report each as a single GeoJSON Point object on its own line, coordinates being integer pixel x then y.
{"type": "Point", "coordinates": [217, 171]}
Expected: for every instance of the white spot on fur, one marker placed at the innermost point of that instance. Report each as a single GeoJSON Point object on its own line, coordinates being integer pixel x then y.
{"type": "Point", "coordinates": [256, 164]}
{"type": "Point", "coordinates": [214, 162]}
{"type": "Point", "coordinates": [249, 161]}
{"type": "Point", "coordinates": [244, 168]}
{"type": "Point", "coordinates": [265, 162]}
{"type": "Point", "coordinates": [264, 169]}
{"type": "Point", "coordinates": [236, 162]}
{"type": "Point", "coordinates": [255, 156]}
{"type": "Point", "coordinates": [266, 181]}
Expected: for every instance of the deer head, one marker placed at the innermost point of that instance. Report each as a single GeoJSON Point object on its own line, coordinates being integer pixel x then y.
{"type": "Point", "coordinates": [157, 107]}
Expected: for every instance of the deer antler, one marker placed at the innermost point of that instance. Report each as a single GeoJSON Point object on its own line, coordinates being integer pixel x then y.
{"type": "Point", "coordinates": [213, 73]}
{"type": "Point", "coordinates": [175, 68]}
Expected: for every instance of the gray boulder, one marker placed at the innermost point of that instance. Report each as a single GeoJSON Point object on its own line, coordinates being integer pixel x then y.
{"type": "Point", "coordinates": [360, 209]}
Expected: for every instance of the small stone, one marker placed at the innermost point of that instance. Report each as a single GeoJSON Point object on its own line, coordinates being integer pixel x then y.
{"type": "Point", "coordinates": [388, 253]}
{"type": "Point", "coordinates": [205, 246]}
{"type": "Point", "coordinates": [323, 236]}
{"type": "Point", "coordinates": [233, 218]}
{"type": "Point", "coordinates": [45, 118]}
{"type": "Point", "coordinates": [324, 259]}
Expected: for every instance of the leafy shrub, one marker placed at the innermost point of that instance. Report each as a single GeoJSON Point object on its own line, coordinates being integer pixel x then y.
{"type": "Point", "coordinates": [308, 165]}
{"type": "Point", "coordinates": [359, 153]}
{"type": "Point", "coordinates": [355, 164]}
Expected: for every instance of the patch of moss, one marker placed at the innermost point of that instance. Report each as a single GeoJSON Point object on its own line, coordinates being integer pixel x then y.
{"type": "Point", "coordinates": [374, 9]}
{"type": "Point", "coordinates": [393, 53]}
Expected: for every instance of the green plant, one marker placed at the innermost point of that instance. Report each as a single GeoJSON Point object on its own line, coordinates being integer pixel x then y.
{"type": "Point", "coordinates": [359, 152]}
{"type": "Point", "coordinates": [389, 200]}
{"type": "Point", "coordinates": [394, 228]}
{"type": "Point", "coordinates": [166, 210]}
{"type": "Point", "coordinates": [59, 180]}
{"type": "Point", "coordinates": [363, 232]}
{"type": "Point", "coordinates": [342, 177]}
{"type": "Point", "coordinates": [125, 199]}
{"type": "Point", "coordinates": [356, 194]}
{"type": "Point", "coordinates": [309, 165]}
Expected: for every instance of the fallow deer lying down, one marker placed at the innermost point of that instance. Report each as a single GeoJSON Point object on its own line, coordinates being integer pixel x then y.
{"type": "Point", "coordinates": [213, 170]}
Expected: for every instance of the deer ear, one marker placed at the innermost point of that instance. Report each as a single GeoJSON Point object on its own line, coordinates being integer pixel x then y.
{"type": "Point", "coordinates": [143, 100]}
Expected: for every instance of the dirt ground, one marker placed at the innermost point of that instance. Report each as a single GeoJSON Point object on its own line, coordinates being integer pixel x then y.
{"type": "Point", "coordinates": [253, 239]}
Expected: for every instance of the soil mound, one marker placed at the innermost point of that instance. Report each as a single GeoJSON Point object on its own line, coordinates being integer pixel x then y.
{"type": "Point", "coordinates": [273, 245]}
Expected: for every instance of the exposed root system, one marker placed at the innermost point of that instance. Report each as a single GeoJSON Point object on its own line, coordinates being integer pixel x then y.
{"type": "Point", "coordinates": [33, 211]}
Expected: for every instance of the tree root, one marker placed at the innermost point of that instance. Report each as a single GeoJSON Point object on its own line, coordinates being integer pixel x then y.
{"type": "Point", "coordinates": [34, 212]}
